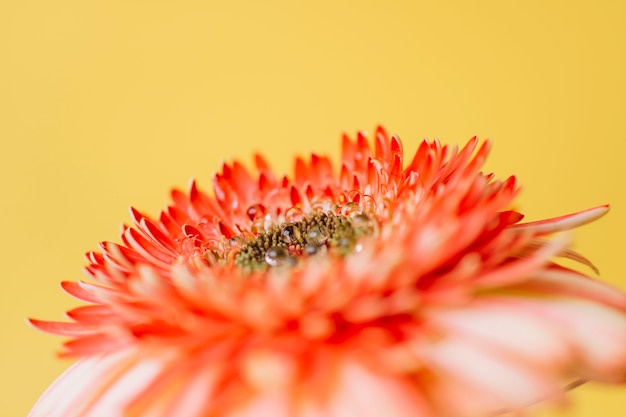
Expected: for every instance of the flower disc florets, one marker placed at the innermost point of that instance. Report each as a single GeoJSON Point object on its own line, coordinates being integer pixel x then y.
{"type": "Point", "coordinates": [312, 235]}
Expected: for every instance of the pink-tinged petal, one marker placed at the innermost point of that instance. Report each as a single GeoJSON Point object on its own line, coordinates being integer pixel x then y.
{"type": "Point", "coordinates": [273, 404]}
{"type": "Point", "coordinates": [566, 253]}
{"type": "Point", "coordinates": [520, 269]}
{"type": "Point", "coordinates": [311, 409]}
{"type": "Point", "coordinates": [563, 282]}
{"type": "Point", "coordinates": [195, 396]}
{"type": "Point", "coordinates": [62, 398]}
{"type": "Point", "coordinates": [506, 383]}
{"type": "Point", "coordinates": [596, 332]}
{"type": "Point", "coordinates": [74, 393]}
{"type": "Point", "coordinates": [575, 256]}
{"type": "Point", "coordinates": [359, 391]}
{"type": "Point", "coordinates": [120, 389]}
{"type": "Point", "coordinates": [566, 222]}
{"type": "Point", "coordinates": [486, 325]}
{"type": "Point", "coordinates": [177, 388]}
{"type": "Point", "coordinates": [452, 398]}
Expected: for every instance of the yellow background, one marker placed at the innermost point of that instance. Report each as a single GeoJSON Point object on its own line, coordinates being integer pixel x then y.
{"type": "Point", "coordinates": [104, 104]}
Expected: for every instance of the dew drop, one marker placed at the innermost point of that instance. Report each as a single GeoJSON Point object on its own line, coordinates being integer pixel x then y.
{"type": "Point", "coordinates": [351, 209]}
{"type": "Point", "coordinates": [290, 234]}
{"type": "Point", "coordinates": [322, 205]}
{"type": "Point", "coordinates": [255, 211]}
{"type": "Point", "coordinates": [317, 236]}
{"type": "Point", "coordinates": [258, 226]}
{"type": "Point", "coordinates": [317, 208]}
{"type": "Point", "coordinates": [236, 242]}
{"type": "Point", "coordinates": [310, 249]}
{"type": "Point", "coordinates": [344, 242]}
{"type": "Point", "coordinates": [294, 214]}
{"type": "Point", "coordinates": [363, 224]}
{"type": "Point", "coordinates": [369, 204]}
{"type": "Point", "coordinates": [277, 256]}
{"type": "Point", "coordinates": [360, 220]}
{"type": "Point", "coordinates": [203, 226]}
{"type": "Point", "coordinates": [188, 245]}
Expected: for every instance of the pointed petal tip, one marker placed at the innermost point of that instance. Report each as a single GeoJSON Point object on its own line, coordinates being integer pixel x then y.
{"type": "Point", "coordinates": [192, 186]}
{"type": "Point", "coordinates": [568, 221]}
{"type": "Point", "coordinates": [31, 322]}
{"type": "Point", "coordinates": [135, 214]}
{"type": "Point", "coordinates": [605, 208]}
{"type": "Point", "coordinates": [42, 326]}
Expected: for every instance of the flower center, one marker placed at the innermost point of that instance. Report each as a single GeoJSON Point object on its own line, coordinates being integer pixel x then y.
{"type": "Point", "coordinates": [287, 243]}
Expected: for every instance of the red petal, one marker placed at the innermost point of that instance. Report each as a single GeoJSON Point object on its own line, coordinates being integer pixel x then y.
{"type": "Point", "coordinates": [63, 329]}
{"type": "Point", "coordinates": [77, 291]}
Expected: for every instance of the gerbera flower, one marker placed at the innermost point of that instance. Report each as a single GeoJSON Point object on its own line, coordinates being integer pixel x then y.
{"type": "Point", "coordinates": [382, 288]}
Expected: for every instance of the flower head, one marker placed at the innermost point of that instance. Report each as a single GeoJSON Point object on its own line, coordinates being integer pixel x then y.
{"type": "Point", "coordinates": [384, 287]}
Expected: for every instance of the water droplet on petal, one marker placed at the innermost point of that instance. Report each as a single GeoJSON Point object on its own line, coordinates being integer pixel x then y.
{"type": "Point", "coordinates": [322, 205]}
{"type": "Point", "coordinates": [255, 211]}
{"type": "Point", "coordinates": [344, 242]}
{"type": "Point", "coordinates": [310, 249]}
{"type": "Point", "coordinates": [203, 226]}
{"type": "Point", "coordinates": [360, 220]}
{"type": "Point", "coordinates": [277, 256]}
{"type": "Point", "coordinates": [294, 214]}
{"type": "Point", "coordinates": [235, 242]}
{"type": "Point", "coordinates": [364, 224]}
{"type": "Point", "coordinates": [258, 226]}
{"type": "Point", "coordinates": [187, 245]}
{"type": "Point", "coordinates": [369, 204]}
{"type": "Point", "coordinates": [317, 235]}
{"type": "Point", "coordinates": [317, 208]}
